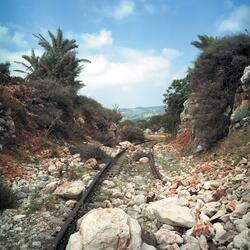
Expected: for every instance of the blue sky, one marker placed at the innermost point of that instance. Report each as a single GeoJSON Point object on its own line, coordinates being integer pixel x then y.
{"type": "Point", "coordinates": [137, 47]}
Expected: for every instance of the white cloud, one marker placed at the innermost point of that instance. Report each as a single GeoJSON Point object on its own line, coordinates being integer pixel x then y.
{"type": "Point", "coordinates": [8, 38]}
{"type": "Point", "coordinates": [131, 69]}
{"type": "Point", "coordinates": [126, 76]}
{"type": "Point", "coordinates": [238, 20]}
{"type": "Point", "coordinates": [97, 41]}
{"type": "Point", "coordinates": [124, 9]}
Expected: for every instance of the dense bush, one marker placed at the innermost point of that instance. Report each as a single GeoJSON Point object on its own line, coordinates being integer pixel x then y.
{"type": "Point", "coordinates": [88, 151]}
{"type": "Point", "coordinates": [106, 138]}
{"type": "Point", "coordinates": [4, 72]}
{"type": "Point", "coordinates": [132, 134]}
{"type": "Point", "coordinates": [154, 123]}
{"type": "Point", "coordinates": [62, 96]}
{"type": "Point", "coordinates": [174, 99]}
{"type": "Point", "coordinates": [8, 197]}
{"type": "Point", "coordinates": [214, 79]}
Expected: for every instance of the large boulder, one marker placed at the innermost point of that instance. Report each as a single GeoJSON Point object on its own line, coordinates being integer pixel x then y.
{"type": "Point", "coordinates": [75, 242]}
{"type": "Point", "coordinates": [109, 229]}
{"type": "Point", "coordinates": [70, 190]}
{"type": "Point", "coordinates": [240, 112]}
{"type": "Point", "coordinates": [170, 211]}
{"type": "Point", "coordinates": [245, 79]}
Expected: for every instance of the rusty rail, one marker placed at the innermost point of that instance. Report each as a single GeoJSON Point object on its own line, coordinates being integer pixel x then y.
{"type": "Point", "coordinates": [69, 226]}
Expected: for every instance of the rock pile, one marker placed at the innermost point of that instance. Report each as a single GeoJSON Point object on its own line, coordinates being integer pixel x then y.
{"type": "Point", "coordinates": [7, 125]}
{"type": "Point", "coordinates": [45, 197]}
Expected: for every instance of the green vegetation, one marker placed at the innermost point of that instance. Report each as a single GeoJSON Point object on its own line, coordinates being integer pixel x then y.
{"type": "Point", "coordinates": [58, 62]}
{"type": "Point", "coordinates": [214, 79]}
{"type": "Point", "coordinates": [54, 75]}
{"type": "Point", "coordinates": [88, 151]}
{"type": "Point", "coordinates": [132, 134]}
{"type": "Point", "coordinates": [38, 203]}
{"type": "Point", "coordinates": [4, 72]}
{"type": "Point", "coordinates": [8, 197]}
{"type": "Point", "coordinates": [204, 41]}
{"type": "Point", "coordinates": [154, 123]}
{"type": "Point", "coordinates": [174, 99]}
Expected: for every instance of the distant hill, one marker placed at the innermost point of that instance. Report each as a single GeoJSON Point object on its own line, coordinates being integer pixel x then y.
{"type": "Point", "coordinates": [141, 112]}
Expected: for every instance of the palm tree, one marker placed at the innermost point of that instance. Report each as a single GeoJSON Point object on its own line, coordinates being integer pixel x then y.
{"type": "Point", "coordinates": [204, 41]}
{"type": "Point", "coordinates": [33, 63]}
{"type": "Point", "coordinates": [58, 62]}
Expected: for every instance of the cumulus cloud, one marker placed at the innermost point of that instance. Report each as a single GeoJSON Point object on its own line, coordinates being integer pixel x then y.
{"type": "Point", "coordinates": [238, 20]}
{"type": "Point", "coordinates": [96, 41]}
{"type": "Point", "coordinates": [124, 9]}
{"type": "Point", "coordinates": [126, 72]}
{"type": "Point", "coordinates": [14, 38]}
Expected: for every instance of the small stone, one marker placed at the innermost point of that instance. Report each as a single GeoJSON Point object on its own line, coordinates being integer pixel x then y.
{"type": "Point", "coordinates": [213, 184]}
{"type": "Point", "coordinates": [138, 200]}
{"type": "Point", "coordinates": [71, 203]}
{"type": "Point", "coordinates": [241, 209]}
{"type": "Point", "coordinates": [246, 218]}
{"type": "Point", "coordinates": [166, 237]}
{"type": "Point", "coordinates": [173, 247]}
{"type": "Point", "coordinates": [70, 190]}
{"type": "Point", "coordinates": [51, 187]}
{"type": "Point", "coordinates": [219, 230]}
{"type": "Point", "coordinates": [36, 244]}
{"type": "Point", "coordinates": [243, 161]}
{"type": "Point", "coordinates": [144, 160]}
{"type": "Point", "coordinates": [240, 225]}
{"type": "Point", "coordinates": [147, 247]}
{"type": "Point", "coordinates": [241, 240]}
{"type": "Point", "coordinates": [190, 243]}
{"type": "Point", "coordinates": [219, 214]}
{"type": "Point", "coordinates": [108, 183]}
{"type": "Point", "coordinates": [19, 217]}
{"type": "Point", "coordinates": [91, 163]}
{"type": "Point", "coordinates": [203, 242]}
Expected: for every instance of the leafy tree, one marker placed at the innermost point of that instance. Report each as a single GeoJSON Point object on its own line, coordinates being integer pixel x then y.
{"type": "Point", "coordinates": [204, 41]}
{"type": "Point", "coordinates": [174, 98]}
{"type": "Point", "coordinates": [58, 62]}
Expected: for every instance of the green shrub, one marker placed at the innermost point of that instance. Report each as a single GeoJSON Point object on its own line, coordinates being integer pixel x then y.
{"type": "Point", "coordinates": [132, 134]}
{"type": "Point", "coordinates": [4, 72]}
{"type": "Point", "coordinates": [214, 81]}
{"type": "Point", "coordinates": [88, 151]}
{"type": "Point", "coordinates": [107, 139]}
{"type": "Point", "coordinates": [174, 99]}
{"type": "Point", "coordinates": [39, 203]}
{"type": "Point", "coordinates": [8, 197]}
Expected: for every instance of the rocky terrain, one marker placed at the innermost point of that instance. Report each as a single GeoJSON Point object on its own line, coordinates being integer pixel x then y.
{"type": "Point", "coordinates": [53, 143]}
{"type": "Point", "coordinates": [199, 204]}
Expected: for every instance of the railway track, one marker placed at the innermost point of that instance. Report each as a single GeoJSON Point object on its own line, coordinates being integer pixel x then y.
{"type": "Point", "coordinates": [93, 196]}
